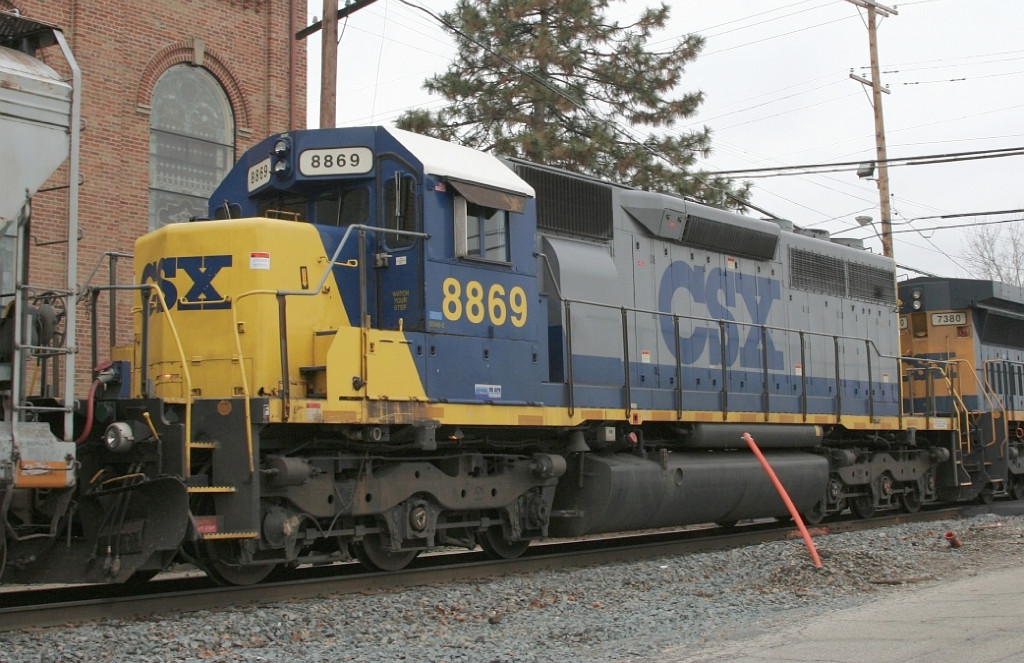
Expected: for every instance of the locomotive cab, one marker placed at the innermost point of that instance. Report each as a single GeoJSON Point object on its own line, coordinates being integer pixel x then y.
{"type": "Point", "coordinates": [428, 240]}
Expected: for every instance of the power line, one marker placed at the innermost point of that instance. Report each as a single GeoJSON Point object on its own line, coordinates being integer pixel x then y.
{"type": "Point", "coordinates": [610, 123]}
{"type": "Point", "coordinates": [625, 131]}
{"type": "Point", "coordinates": [962, 225]}
{"type": "Point", "coordinates": [963, 214]}
{"type": "Point", "coordinates": [958, 226]}
{"type": "Point", "coordinates": [810, 169]}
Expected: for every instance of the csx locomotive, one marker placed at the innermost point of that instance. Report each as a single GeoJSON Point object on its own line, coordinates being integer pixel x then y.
{"type": "Point", "coordinates": [380, 343]}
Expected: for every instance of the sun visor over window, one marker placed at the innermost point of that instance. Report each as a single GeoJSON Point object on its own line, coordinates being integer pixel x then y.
{"type": "Point", "coordinates": [488, 197]}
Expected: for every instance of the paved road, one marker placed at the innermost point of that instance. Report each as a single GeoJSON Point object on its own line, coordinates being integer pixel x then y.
{"type": "Point", "coordinates": [974, 619]}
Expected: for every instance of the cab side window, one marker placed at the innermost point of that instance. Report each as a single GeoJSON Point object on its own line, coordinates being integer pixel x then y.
{"type": "Point", "coordinates": [481, 232]}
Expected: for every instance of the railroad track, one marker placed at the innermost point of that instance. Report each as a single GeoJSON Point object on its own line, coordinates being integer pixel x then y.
{"type": "Point", "coordinates": [63, 605]}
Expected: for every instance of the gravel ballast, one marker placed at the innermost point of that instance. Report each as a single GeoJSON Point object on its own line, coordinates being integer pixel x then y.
{"type": "Point", "coordinates": [618, 612]}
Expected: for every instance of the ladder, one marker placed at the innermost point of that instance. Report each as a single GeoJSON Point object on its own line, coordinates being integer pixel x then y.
{"type": "Point", "coordinates": [29, 455]}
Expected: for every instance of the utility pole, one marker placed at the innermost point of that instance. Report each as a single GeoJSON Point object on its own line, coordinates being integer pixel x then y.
{"type": "Point", "coordinates": [876, 96]}
{"type": "Point", "coordinates": [329, 67]}
{"type": "Point", "coordinates": [329, 55]}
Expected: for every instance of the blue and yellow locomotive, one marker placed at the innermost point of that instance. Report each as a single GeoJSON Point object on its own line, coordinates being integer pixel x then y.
{"type": "Point", "coordinates": [382, 343]}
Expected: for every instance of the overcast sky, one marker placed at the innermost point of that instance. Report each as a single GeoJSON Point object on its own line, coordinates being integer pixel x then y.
{"type": "Point", "coordinates": [777, 86]}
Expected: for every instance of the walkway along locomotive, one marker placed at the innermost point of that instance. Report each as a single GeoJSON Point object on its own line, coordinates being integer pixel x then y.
{"type": "Point", "coordinates": [381, 343]}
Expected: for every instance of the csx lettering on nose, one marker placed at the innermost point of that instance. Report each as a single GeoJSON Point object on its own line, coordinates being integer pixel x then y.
{"type": "Point", "coordinates": [194, 275]}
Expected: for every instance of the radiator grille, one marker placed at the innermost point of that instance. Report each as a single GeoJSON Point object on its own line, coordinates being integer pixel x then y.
{"type": "Point", "coordinates": [816, 273]}
{"type": "Point", "coordinates": [570, 205]}
{"type": "Point", "coordinates": [834, 276]}
{"type": "Point", "coordinates": [872, 283]}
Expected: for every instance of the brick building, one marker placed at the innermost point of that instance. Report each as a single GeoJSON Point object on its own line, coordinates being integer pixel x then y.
{"type": "Point", "coordinates": [172, 92]}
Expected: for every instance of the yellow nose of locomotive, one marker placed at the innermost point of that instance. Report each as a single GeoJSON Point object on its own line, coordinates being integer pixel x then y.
{"type": "Point", "coordinates": [212, 323]}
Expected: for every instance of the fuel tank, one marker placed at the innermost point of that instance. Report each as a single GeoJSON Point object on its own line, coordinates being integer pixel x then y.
{"type": "Point", "coordinates": [768, 436]}
{"type": "Point", "coordinates": [623, 492]}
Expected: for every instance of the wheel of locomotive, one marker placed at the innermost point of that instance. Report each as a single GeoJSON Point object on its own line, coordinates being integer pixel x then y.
{"type": "Point", "coordinates": [225, 573]}
{"type": "Point", "coordinates": [815, 514]}
{"type": "Point", "coordinates": [910, 501]}
{"type": "Point", "coordinates": [1016, 487]}
{"type": "Point", "coordinates": [862, 506]}
{"type": "Point", "coordinates": [374, 552]}
{"type": "Point", "coordinates": [496, 546]}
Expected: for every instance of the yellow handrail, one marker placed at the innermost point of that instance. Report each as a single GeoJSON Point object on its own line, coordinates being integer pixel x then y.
{"type": "Point", "coordinates": [995, 405]}
{"type": "Point", "coordinates": [959, 406]}
{"type": "Point", "coordinates": [184, 369]}
{"type": "Point", "coordinates": [241, 368]}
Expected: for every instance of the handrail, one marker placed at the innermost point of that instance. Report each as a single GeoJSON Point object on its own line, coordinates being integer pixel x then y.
{"type": "Point", "coordinates": [1004, 362]}
{"type": "Point", "coordinates": [991, 397]}
{"type": "Point", "coordinates": [155, 289]}
{"type": "Point", "coordinates": [282, 322]}
{"type": "Point", "coordinates": [870, 348]}
{"type": "Point", "coordinates": [85, 287]}
{"type": "Point", "coordinates": [959, 406]}
{"type": "Point", "coordinates": [723, 349]}
{"type": "Point", "coordinates": [625, 361]}
{"type": "Point", "coordinates": [569, 378]}
{"type": "Point", "coordinates": [906, 373]}
{"type": "Point", "coordinates": [1007, 379]}
{"type": "Point", "coordinates": [963, 414]}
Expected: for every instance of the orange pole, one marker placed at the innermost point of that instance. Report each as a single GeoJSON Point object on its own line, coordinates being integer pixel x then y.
{"type": "Point", "coordinates": [785, 498]}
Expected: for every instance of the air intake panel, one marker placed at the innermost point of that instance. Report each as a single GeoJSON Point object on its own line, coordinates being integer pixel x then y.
{"type": "Point", "coordinates": [701, 226]}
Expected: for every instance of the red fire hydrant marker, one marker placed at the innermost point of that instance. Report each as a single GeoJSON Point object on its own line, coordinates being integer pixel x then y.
{"type": "Point", "coordinates": [785, 498]}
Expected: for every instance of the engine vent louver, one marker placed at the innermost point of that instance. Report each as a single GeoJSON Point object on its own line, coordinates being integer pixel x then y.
{"type": "Point", "coordinates": [829, 275]}
{"type": "Point", "coordinates": [871, 283]}
{"type": "Point", "coordinates": [570, 205]}
{"type": "Point", "coordinates": [728, 238]}
{"type": "Point", "coordinates": [817, 273]}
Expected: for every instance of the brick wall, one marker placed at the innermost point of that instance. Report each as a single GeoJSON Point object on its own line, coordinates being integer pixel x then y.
{"type": "Point", "coordinates": [122, 48]}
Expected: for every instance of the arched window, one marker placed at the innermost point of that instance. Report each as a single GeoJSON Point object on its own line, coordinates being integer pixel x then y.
{"type": "Point", "coordinates": [191, 144]}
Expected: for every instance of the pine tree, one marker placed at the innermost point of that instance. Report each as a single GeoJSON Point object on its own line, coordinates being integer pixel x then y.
{"type": "Point", "coordinates": [556, 82]}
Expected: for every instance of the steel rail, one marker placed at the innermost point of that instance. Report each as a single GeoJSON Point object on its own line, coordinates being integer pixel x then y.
{"type": "Point", "coordinates": [54, 606]}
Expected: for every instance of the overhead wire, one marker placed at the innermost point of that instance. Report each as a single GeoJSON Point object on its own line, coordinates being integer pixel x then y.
{"type": "Point", "coordinates": [936, 248]}
{"type": "Point", "coordinates": [831, 167]}
{"type": "Point", "coordinates": [630, 135]}
{"type": "Point", "coordinates": [611, 123]}
{"type": "Point", "coordinates": [380, 58]}
{"type": "Point", "coordinates": [809, 178]}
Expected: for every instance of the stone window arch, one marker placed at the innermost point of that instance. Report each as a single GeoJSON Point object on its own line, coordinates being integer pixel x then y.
{"type": "Point", "coordinates": [191, 143]}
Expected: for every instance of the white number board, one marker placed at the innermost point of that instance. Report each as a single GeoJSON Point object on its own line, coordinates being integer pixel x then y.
{"type": "Point", "coordinates": [336, 161]}
{"type": "Point", "coordinates": [259, 174]}
{"type": "Point", "coordinates": [941, 319]}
